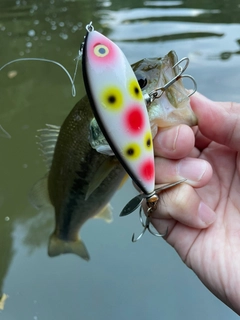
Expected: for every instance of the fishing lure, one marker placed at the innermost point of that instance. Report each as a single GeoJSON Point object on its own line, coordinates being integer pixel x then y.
{"type": "Point", "coordinates": [119, 107]}
{"type": "Point", "coordinates": [120, 110]}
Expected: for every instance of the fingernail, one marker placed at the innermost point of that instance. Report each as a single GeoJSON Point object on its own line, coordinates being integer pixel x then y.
{"type": "Point", "coordinates": [166, 141]}
{"type": "Point", "coordinates": [206, 214]}
{"type": "Point", "coordinates": [192, 169]}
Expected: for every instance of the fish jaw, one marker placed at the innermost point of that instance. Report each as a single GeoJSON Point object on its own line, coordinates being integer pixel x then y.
{"type": "Point", "coordinates": [173, 106]}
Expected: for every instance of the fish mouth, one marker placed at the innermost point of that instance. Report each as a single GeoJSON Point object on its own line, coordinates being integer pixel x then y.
{"type": "Point", "coordinates": [171, 105]}
{"type": "Point", "coordinates": [170, 72]}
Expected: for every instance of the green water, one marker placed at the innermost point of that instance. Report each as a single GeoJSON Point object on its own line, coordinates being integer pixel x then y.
{"type": "Point", "coordinates": [138, 281]}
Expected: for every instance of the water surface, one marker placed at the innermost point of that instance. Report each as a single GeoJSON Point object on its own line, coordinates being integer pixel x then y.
{"type": "Point", "coordinates": [146, 280]}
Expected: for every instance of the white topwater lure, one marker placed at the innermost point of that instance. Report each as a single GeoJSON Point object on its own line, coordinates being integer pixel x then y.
{"type": "Point", "coordinates": [120, 110]}
{"type": "Point", "coordinates": [119, 107]}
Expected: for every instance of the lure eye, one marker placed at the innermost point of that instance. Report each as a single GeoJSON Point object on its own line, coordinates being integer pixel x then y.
{"type": "Point", "coordinates": [100, 50]}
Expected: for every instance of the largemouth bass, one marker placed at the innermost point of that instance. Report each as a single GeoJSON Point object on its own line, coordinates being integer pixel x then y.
{"type": "Point", "coordinates": [81, 181]}
{"type": "Point", "coordinates": [75, 169]}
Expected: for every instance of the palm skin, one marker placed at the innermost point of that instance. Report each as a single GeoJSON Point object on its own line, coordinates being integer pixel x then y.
{"type": "Point", "coordinates": [203, 214]}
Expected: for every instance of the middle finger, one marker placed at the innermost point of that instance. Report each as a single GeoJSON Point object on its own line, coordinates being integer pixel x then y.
{"type": "Point", "coordinates": [174, 142]}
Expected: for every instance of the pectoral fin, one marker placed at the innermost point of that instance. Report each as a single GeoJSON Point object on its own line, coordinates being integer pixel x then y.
{"type": "Point", "coordinates": [105, 214]}
{"type": "Point", "coordinates": [57, 246]}
{"type": "Point", "coordinates": [3, 300]}
{"type": "Point", "coordinates": [105, 150]}
{"type": "Point", "coordinates": [38, 195]}
{"type": "Point", "coordinates": [102, 172]}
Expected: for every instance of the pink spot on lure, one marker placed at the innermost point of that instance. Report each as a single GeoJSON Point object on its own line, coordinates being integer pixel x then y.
{"type": "Point", "coordinates": [119, 107]}
{"type": "Point", "coordinates": [134, 120]}
{"type": "Point", "coordinates": [147, 170]}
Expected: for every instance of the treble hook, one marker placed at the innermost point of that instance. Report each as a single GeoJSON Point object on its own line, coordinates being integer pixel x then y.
{"type": "Point", "coordinates": [151, 201]}
{"type": "Point", "coordinates": [158, 92]}
{"type": "Point", "coordinates": [146, 226]}
{"type": "Point", "coordinates": [194, 82]}
{"type": "Point", "coordinates": [181, 75]}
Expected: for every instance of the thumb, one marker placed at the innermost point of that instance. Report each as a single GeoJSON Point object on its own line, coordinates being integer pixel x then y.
{"type": "Point", "coordinates": [218, 121]}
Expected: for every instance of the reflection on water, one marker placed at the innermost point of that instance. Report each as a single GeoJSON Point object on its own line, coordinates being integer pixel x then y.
{"type": "Point", "coordinates": [116, 283]}
{"type": "Point", "coordinates": [228, 54]}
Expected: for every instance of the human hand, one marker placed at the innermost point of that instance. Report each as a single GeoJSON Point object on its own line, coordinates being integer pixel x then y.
{"type": "Point", "coordinates": [203, 214]}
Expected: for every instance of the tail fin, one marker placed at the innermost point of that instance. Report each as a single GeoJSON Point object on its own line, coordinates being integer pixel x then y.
{"type": "Point", "coordinates": [57, 246]}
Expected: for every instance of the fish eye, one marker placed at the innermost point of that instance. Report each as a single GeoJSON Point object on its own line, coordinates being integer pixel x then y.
{"type": "Point", "coordinates": [142, 81]}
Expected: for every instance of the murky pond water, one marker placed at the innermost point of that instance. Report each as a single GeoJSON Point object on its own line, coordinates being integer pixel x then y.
{"type": "Point", "coordinates": [145, 280]}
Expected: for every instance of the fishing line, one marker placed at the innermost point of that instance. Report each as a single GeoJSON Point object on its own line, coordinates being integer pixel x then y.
{"type": "Point", "coordinates": [5, 134]}
{"type": "Point", "coordinates": [77, 61]}
{"type": "Point", "coordinates": [72, 80]}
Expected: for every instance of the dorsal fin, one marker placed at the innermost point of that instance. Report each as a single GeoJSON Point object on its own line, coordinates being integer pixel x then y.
{"type": "Point", "coordinates": [47, 141]}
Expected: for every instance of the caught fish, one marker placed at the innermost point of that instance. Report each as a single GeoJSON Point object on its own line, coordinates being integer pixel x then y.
{"type": "Point", "coordinates": [83, 173]}
{"type": "Point", "coordinates": [80, 181]}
